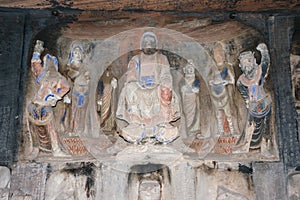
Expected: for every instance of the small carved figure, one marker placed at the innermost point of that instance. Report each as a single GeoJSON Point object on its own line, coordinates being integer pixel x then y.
{"type": "Point", "coordinates": [105, 103]}
{"type": "Point", "coordinates": [220, 99]}
{"type": "Point", "coordinates": [150, 189]}
{"type": "Point", "coordinates": [80, 78]}
{"type": "Point", "coordinates": [295, 69]}
{"type": "Point", "coordinates": [190, 98]}
{"type": "Point", "coordinates": [147, 101]}
{"type": "Point", "coordinates": [52, 86]}
{"type": "Point", "coordinates": [251, 86]}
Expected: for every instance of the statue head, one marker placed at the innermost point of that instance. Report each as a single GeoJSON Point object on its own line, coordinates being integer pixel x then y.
{"type": "Point", "coordinates": [76, 53]}
{"type": "Point", "coordinates": [149, 43]}
{"type": "Point", "coordinates": [248, 64]}
{"type": "Point", "coordinates": [219, 54]}
{"type": "Point", "coordinates": [50, 62]}
{"type": "Point", "coordinates": [189, 70]}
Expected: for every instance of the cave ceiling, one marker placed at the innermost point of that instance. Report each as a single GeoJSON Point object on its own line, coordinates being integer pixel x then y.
{"type": "Point", "coordinates": [158, 5]}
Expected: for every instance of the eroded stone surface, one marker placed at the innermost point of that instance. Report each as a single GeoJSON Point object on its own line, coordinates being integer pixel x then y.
{"type": "Point", "coordinates": [4, 182]}
{"type": "Point", "coordinates": [178, 5]}
{"type": "Point", "coordinates": [167, 111]}
{"type": "Point", "coordinates": [28, 181]}
{"type": "Point", "coordinates": [293, 185]}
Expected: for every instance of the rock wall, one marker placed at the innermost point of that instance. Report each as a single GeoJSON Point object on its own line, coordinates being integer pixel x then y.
{"type": "Point", "coordinates": [111, 168]}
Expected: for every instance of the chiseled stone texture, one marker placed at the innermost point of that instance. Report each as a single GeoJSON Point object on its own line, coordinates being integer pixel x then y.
{"type": "Point", "coordinates": [71, 181]}
{"type": "Point", "coordinates": [221, 184]}
{"type": "Point", "coordinates": [179, 180]}
{"type": "Point", "coordinates": [28, 181]}
{"type": "Point", "coordinates": [269, 179]}
{"type": "Point", "coordinates": [294, 185]}
{"type": "Point", "coordinates": [157, 5]}
{"type": "Point", "coordinates": [4, 182]}
{"type": "Point", "coordinates": [122, 180]}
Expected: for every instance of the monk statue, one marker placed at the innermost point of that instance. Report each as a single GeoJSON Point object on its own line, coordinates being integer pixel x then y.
{"type": "Point", "coordinates": [105, 101]}
{"type": "Point", "coordinates": [258, 101]}
{"type": "Point", "coordinates": [147, 101]}
{"type": "Point", "coordinates": [190, 97]}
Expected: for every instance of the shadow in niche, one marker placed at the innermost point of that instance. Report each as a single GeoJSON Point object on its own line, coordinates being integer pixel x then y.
{"type": "Point", "coordinates": [149, 181]}
{"type": "Point", "coordinates": [74, 181]}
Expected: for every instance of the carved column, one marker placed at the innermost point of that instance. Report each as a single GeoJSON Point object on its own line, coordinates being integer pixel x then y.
{"type": "Point", "coordinates": [280, 30]}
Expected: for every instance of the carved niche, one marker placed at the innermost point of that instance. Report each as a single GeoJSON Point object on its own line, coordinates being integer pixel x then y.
{"type": "Point", "coordinates": [204, 92]}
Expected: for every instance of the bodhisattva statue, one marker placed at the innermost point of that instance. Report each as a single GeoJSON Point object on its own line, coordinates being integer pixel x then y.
{"type": "Point", "coordinates": [190, 97]}
{"type": "Point", "coordinates": [221, 102]}
{"type": "Point", "coordinates": [51, 87]}
{"type": "Point", "coordinates": [258, 102]}
{"type": "Point", "coordinates": [147, 101]}
{"type": "Point", "coordinates": [80, 79]}
{"type": "Point", "coordinates": [106, 101]}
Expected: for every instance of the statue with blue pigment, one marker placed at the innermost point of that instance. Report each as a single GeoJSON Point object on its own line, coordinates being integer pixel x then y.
{"type": "Point", "coordinates": [258, 101]}
{"type": "Point", "coordinates": [80, 79]}
{"type": "Point", "coordinates": [221, 101]}
{"type": "Point", "coordinates": [147, 101]}
{"type": "Point", "coordinates": [51, 86]}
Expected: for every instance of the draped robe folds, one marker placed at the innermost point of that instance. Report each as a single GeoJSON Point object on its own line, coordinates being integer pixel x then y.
{"type": "Point", "coordinates": [140, 100]}
{"type": "Point", "coordinates": [259, 105]}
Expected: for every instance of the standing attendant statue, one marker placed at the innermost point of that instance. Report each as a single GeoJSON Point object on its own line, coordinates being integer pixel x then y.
{"type": "Point", "coordinates": [106, 101]}
{"type": "Point", "coordinates": [147, 101]}
{"type": "Point", "coordinates": [80, 79]}
{"type": "Point", "coordinates": [258, 101]}
{"type": "Point", "coordinates": [190, 97]}
{"type": "Point", "coordinates": [51, 87]}
{"type": "Point", "coordinates": [221, 101]}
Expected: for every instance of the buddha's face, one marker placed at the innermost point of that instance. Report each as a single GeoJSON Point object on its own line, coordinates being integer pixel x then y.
{"type": "Point", "coordinates": [149, 44]}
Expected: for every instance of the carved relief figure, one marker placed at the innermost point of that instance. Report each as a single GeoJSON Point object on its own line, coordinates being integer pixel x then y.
{"type": "Point", "coordinates": [105, 103]}
{"type": "Point", "coordinates": [190, 98]}
{"type": "Point", "coordinates": [52, 86]}
{"type": "Point", "coordinates": [150, 190]}
{"type": "Point", "coordinates": [220, 100]}
{"type": "Point", "coordinates": [80, 78]}
{"type": "Point", "coordinates": [147, 101]}
{"type": "Point", "coordinates": [295, 69]}
{"type": "Point", "coordinates": [258, 102]}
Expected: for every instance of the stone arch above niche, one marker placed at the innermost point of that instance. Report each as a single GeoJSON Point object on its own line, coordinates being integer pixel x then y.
{"type": "Point", "coordinates": [198, 45]}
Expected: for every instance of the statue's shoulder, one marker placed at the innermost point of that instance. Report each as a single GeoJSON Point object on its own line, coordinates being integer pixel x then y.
{"type": "Point", "coordinates": [162, 58]}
